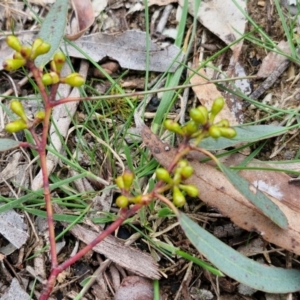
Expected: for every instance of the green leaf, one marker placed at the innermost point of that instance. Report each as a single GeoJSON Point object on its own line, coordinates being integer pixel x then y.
{"type": "Point", "coordinates": [237, 266]}
{"type": "Point", "coordinates": [53, 30]}
{"type": "Point", "coordinates": [8, 144]}
{"type": "Point", "coordinates": [245, 134]}
{"type": "Point", "coordinates": [260, 200]}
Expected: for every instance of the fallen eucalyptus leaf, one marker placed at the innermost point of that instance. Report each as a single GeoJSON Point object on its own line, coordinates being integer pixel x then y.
{"type": "Point", "coordinates": [129, 49]}
{"type": "Point", "coordinates": [261, 201]}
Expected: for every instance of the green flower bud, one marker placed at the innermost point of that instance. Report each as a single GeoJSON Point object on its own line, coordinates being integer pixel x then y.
{"type": "Point", "coordinates": [191, 190]}
{"type": "Point", "coordinates": [18, 55]}
{"type": "Point", "coordinates": [163, 174]}
{"type": "Point", "coordinates": [11, 64]}
{"type": "Point", "coordinates": [74, 79]}
{"type": "Point", "coordinates": [190, 127]}
{"type": "Point", "coordinates": [128, 178]}
{"type": "Point", "coordinates": [173, 126]}
{"type": "Point", "coordinates": [217, 106]}
{"type": "Point", "coordinates": [120, 182]}
{"type": "Point", "coordinates": [178, 197]}
{"type": "Point", "coordinates": [39, 47]}
{"type": "Point", "coordinates": [16, 126]}
{"type": "Point", "coordinates": [214, 131]}
{"type": "Point", "coordinates": [137, 199]}
{"type": "Point", "coordinates": [228, 133]}
{"type": "Point", "coordinates": [59, 60]}
{"type": "Point", "coordinates": [50, 78]}
{"type": "Point", "coordinates": [186, 172]}
{"type": "Point", "coordinates": [25, 52]}
{"type": "Point", "coordinates": [199, 114]}
{"type": "Point", "coordinates": [177, 177]}
{"type": "Point", "coordinates": [223, 123]}
{"type": "Point", "coordinates": [182, 163]}
{"type": "Point", "coordinates": [17, 107]}
{"type": "Point", "coordinates": [122, 201]}
{"type": "Point", "coordinates": [40, 115]}
{"type": "Point", "coordinates": [13, 42]}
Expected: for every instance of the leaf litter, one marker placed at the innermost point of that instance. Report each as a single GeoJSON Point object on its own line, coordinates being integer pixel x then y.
{"type": "Point", "coordinates": [272, 183]}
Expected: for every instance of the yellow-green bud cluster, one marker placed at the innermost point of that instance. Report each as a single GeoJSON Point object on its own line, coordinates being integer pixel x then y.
{"type": "Point", "coordinates": [23, 123]}
{"type": "Point", "coordinates": [24, 53]}
{"type": "Point", "coordinates": [202, 123]}
{"type": "Point", "coordinates": [20, 124]}
{"type": "Point", "coordinates": [124, 183]}
{"type": "Point", "coordinates": [183, 171]}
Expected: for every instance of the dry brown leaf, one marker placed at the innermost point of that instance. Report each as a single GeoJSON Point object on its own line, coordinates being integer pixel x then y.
{"type": "Point", "coordinates": [15, 291]}
{"type": "Point", "coordinates": [127, 257]}
{"type": "Point", "coordinates": [218, 192]}
{"type": "Point", "coordinates": [208, 92]}
{"type": "Point", "coordinates": [128, 48]}
{"type": "Point", "coordinates": [85, 17]}
{"type": "Point", "coordinates": [223, 18]}
{"type": "Point", "coordinates": [273, 60]}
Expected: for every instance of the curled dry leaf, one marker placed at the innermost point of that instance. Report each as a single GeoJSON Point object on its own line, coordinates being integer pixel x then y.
{"type": "Point", "coordinates": [218, 192]}
{"type": "Point", "coordinates": [85, 17]}
{"type": "Point", "coordinates": [109, 67]}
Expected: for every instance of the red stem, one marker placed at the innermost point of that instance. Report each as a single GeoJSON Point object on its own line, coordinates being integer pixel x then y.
{"type": "Point", "coordinates": [41, 148]}
{"type": "Point", "coordinates": [125, 214]}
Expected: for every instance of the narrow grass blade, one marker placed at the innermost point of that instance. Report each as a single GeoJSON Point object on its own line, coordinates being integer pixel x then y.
{"type": "Point", "coordinates": [237, 266]}
{"type": "Point", "coordinates": [260, 200]}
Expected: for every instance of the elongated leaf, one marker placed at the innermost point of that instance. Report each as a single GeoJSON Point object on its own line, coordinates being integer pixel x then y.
{"type": "Point", "coordinates": [245, 134]}
{"type": "Point", "coordinates": [237, 266]}
{"type": "Point", "coordinates": [8, 144]}
{"type": "Point", "coordinates": [260, 200]}
{"type": "Point", "coordinates": [53, 30]}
